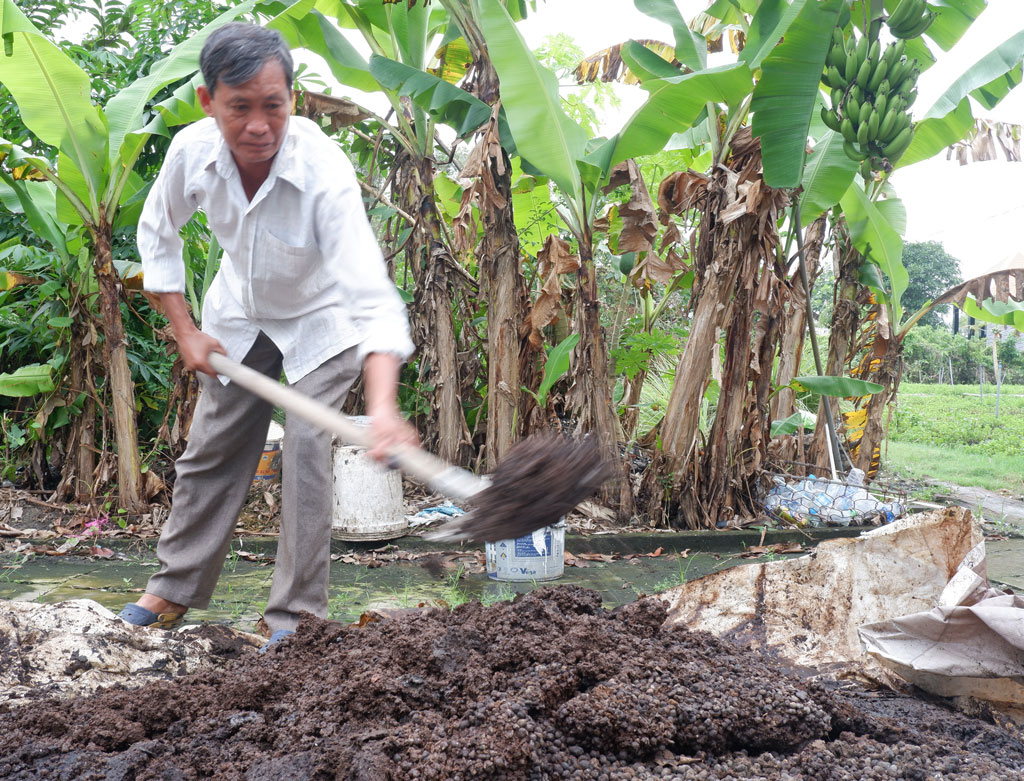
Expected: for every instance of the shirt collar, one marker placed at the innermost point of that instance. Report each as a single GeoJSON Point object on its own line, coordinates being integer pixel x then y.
{"type": "Point", "coordinates": [286, 164]}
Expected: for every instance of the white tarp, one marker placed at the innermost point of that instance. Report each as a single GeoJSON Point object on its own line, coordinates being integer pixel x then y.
{"type": "Point", "coordinates": [75, 647]}
{"type": "Point", "coordinates": [970, 644]}
{"type": "Point", "coordinates": [808, 609]}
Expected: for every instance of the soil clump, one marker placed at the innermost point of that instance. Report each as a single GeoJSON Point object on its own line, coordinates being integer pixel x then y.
{"type": "Point", "coordinates": [550, 686]}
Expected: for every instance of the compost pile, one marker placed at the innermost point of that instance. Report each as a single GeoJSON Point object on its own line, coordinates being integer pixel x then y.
{"type": "Point", "coordinates": [550, 686]}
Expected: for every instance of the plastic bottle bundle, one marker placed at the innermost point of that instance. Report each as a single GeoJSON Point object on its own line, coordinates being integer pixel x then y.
{"type": "Point", "coordinates": [820, 502]}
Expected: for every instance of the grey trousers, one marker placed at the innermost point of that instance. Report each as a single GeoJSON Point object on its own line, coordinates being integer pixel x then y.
{"type": "Point", "coordinates": [228, 433]}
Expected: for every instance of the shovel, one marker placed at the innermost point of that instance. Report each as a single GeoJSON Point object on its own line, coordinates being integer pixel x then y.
{"type": "Point", "coordinates": [505, 505]}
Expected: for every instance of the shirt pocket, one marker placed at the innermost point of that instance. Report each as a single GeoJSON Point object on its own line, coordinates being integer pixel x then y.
{"type": "Point", "coordinates": [287, 281]}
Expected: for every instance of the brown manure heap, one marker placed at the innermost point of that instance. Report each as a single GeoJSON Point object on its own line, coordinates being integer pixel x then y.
{"type": "Point", "coordinates": [548, 687]}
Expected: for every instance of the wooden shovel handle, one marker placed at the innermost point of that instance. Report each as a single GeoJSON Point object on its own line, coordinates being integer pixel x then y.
{"type": "Point", "coordinates": [452, 481]}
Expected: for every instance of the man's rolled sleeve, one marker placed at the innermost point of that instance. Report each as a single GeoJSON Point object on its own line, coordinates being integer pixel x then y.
{"type": "Point", "coordinates": [167, 208]}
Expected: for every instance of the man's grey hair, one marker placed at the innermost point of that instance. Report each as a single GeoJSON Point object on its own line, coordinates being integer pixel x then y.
{"type": "Point", "coordinates": [236, 52]}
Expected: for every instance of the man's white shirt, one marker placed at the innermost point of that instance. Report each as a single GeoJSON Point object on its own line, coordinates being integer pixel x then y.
{"type": "Point", "coordinates": [300, 260]}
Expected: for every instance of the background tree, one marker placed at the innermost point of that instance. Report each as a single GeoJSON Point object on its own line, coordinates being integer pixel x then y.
{"type": "Point", "coordinates": [932, 272]}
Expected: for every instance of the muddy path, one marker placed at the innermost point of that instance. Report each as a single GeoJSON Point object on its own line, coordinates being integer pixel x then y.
{"type": "Point", "coordinates": [550, 686]}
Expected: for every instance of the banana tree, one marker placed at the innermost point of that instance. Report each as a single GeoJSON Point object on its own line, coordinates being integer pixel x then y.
{"type": "Point", "coordinates": [869, 338]}
{"type": "Point", "coordinates": [550, 142]}
{"type": "Point", "coordinates": [92, 175]}
{"type": "Point", "coordinates": [509, 368]}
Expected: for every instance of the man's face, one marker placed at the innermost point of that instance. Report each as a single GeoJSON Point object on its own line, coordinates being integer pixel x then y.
{"type": "Point", "coordinates": [252, 116]}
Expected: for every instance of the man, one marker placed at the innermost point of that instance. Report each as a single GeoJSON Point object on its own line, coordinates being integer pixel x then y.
{"type": "Point", "coordinates": [302, 286]}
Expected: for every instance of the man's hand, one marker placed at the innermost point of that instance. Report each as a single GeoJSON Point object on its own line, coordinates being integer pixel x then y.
{"type": "Point", "coordinates": [193, 345]}
{"type": "Point", "coordinates": [195, 348]}
{"type": "Point", "coordinates": [389, 429]}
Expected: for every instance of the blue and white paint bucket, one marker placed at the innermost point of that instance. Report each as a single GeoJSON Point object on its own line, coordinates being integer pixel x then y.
{"type": "Point", "coordinates": [537, 556]}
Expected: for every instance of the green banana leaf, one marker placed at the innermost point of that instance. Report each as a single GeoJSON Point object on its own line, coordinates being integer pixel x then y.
{"type": "Point", "coordinates": [843, 387]}
{"type": "Point", "coordinates": [1001, 60]}
{"type": "Point", "coordinates": [544, 135]}
{"type": "Point", "coordinates": [37, 202]}
{"type": "Point", "coordinates": [645, 64]}
{"type": "Point", "coordinates": [931, 136]}
{"type": "Point", "coordinates": [443, 101]}
{"type": "Point", "coordinates": [124, 111]}
{"type": "Point", "coordinates": [878, 241]}
{"type": "Point", "coordinates": [316, 33]}
{"type": "Point", "coordinates": [1002, 313]}
{"type": "Point", "coordinates": [989, 95]}
{"type": "Point", "coordinates": [950, 117]}
{"type": "Point", "coordinates": [691, 48]}
{"type": "Point", "coordinates": [675, 103]}
{"type": "Point", "coordinates": [27, 380]}
{"type": "Point", "coordinates": [556, 365]}
{"type": "Point", "coordinates": [894, 212]}
{"type": "Point", "coordinates": [181, 108]}
{"type": "Point", "coordinates": [69, 174]}
{"type": "Point", "coordinates": [410, 28]}
{"type": "Point", "coordinates": [727, 11]}
{"type": "Point", "coordinates": [790, 425]}
{"type": "Point", "coordinates": [769, 25]}
{"type": "Point", "coordinates": [53, 97]}
{"type": "Point", "coordinates": [827, 176]}
{"type": "Point", "coordinates": [785, 97]}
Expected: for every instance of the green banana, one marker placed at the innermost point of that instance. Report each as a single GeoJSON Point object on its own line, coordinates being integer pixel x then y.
{"type": "Point", "coordinates": [889, 56]}
{"type": "Point", "coordinates": [898, 72]}
{"type": "Point", "coordinates": [884, 88]}
{"type": "Point", "coordinates": [865, 170]}
{"type": "Point", "coordinates": [861, 52]}
{"type": "Point", "coordinates": [907, 11]}
{"type": "Point", "coordinates": [900, 46]}
{"type": "Point", "coordinates": [911, 98]}
{"type": "Point", "coordinates": [881, 103]}
{"type": "Point", "coordinates": [852, 152]}
{"type": "Point", "coordinates": [886, 126]}
{"type": "Point", "coordinates": [874, 52]}
{"type": "Point", "coordinates": [851, 65]}
{"type": "Point", "coordinates": [898, 145]}
{"type": "Point", "coordinates": [864, 72]}
{"type": "Point", "coordinates": [873, 121]}
{"type": "Point", "coordinates": [837, 97]}
{"type": "Point", "coordinates": [877, 76]}
{"type": "Point", "coordinates": [830, 119]}
{"type": "Point", "coordinates": [835, 78]}
{"type": "Point", "coordinates": [857, 93]}
{"type": "Point", "coordinates": [846, 128]}
{"type": "Point", "coordinates": [865, 109]}
{"type": "Point", "coordinates": [915, 31]}
{"type": "Point", "coordinates": [852, 111]}
{"type": "Point", "coordinates": [862, 133]}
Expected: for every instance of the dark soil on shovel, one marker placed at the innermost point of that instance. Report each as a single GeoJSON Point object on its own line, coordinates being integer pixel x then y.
{"type": "Point", "coordinates": [548, 687]}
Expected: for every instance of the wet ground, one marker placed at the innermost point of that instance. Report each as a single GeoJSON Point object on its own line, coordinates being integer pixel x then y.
{"type": "Point", "coordinates": [404, 573]}
{"type": "Point", "coordinates": [367, 576]}
{"type": "Point", "coordinates": [550, 686]}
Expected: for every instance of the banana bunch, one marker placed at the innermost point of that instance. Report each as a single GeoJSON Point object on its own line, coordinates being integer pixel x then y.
{"type": "Point", "coordinates": [871, 90]}
{"type": "Point", "coordinates": [910, 19]}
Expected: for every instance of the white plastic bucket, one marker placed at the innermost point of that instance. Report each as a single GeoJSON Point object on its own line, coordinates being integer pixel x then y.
{"type": "Point", "coordinates": [367, 496]}
{"type": "Point", "coordinates": [537, 556]}
{"type": "Point", "coordinates": [269, 467]}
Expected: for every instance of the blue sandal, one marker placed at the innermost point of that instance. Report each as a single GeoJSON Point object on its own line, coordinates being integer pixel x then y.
{"type": "Point", "coordinates": [139, 616]}
{"type": "Point", "coordinates": [276, 638]}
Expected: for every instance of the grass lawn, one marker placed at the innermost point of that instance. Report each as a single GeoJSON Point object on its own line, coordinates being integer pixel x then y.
{"type": "Point", "coordinates": [951, 434]}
